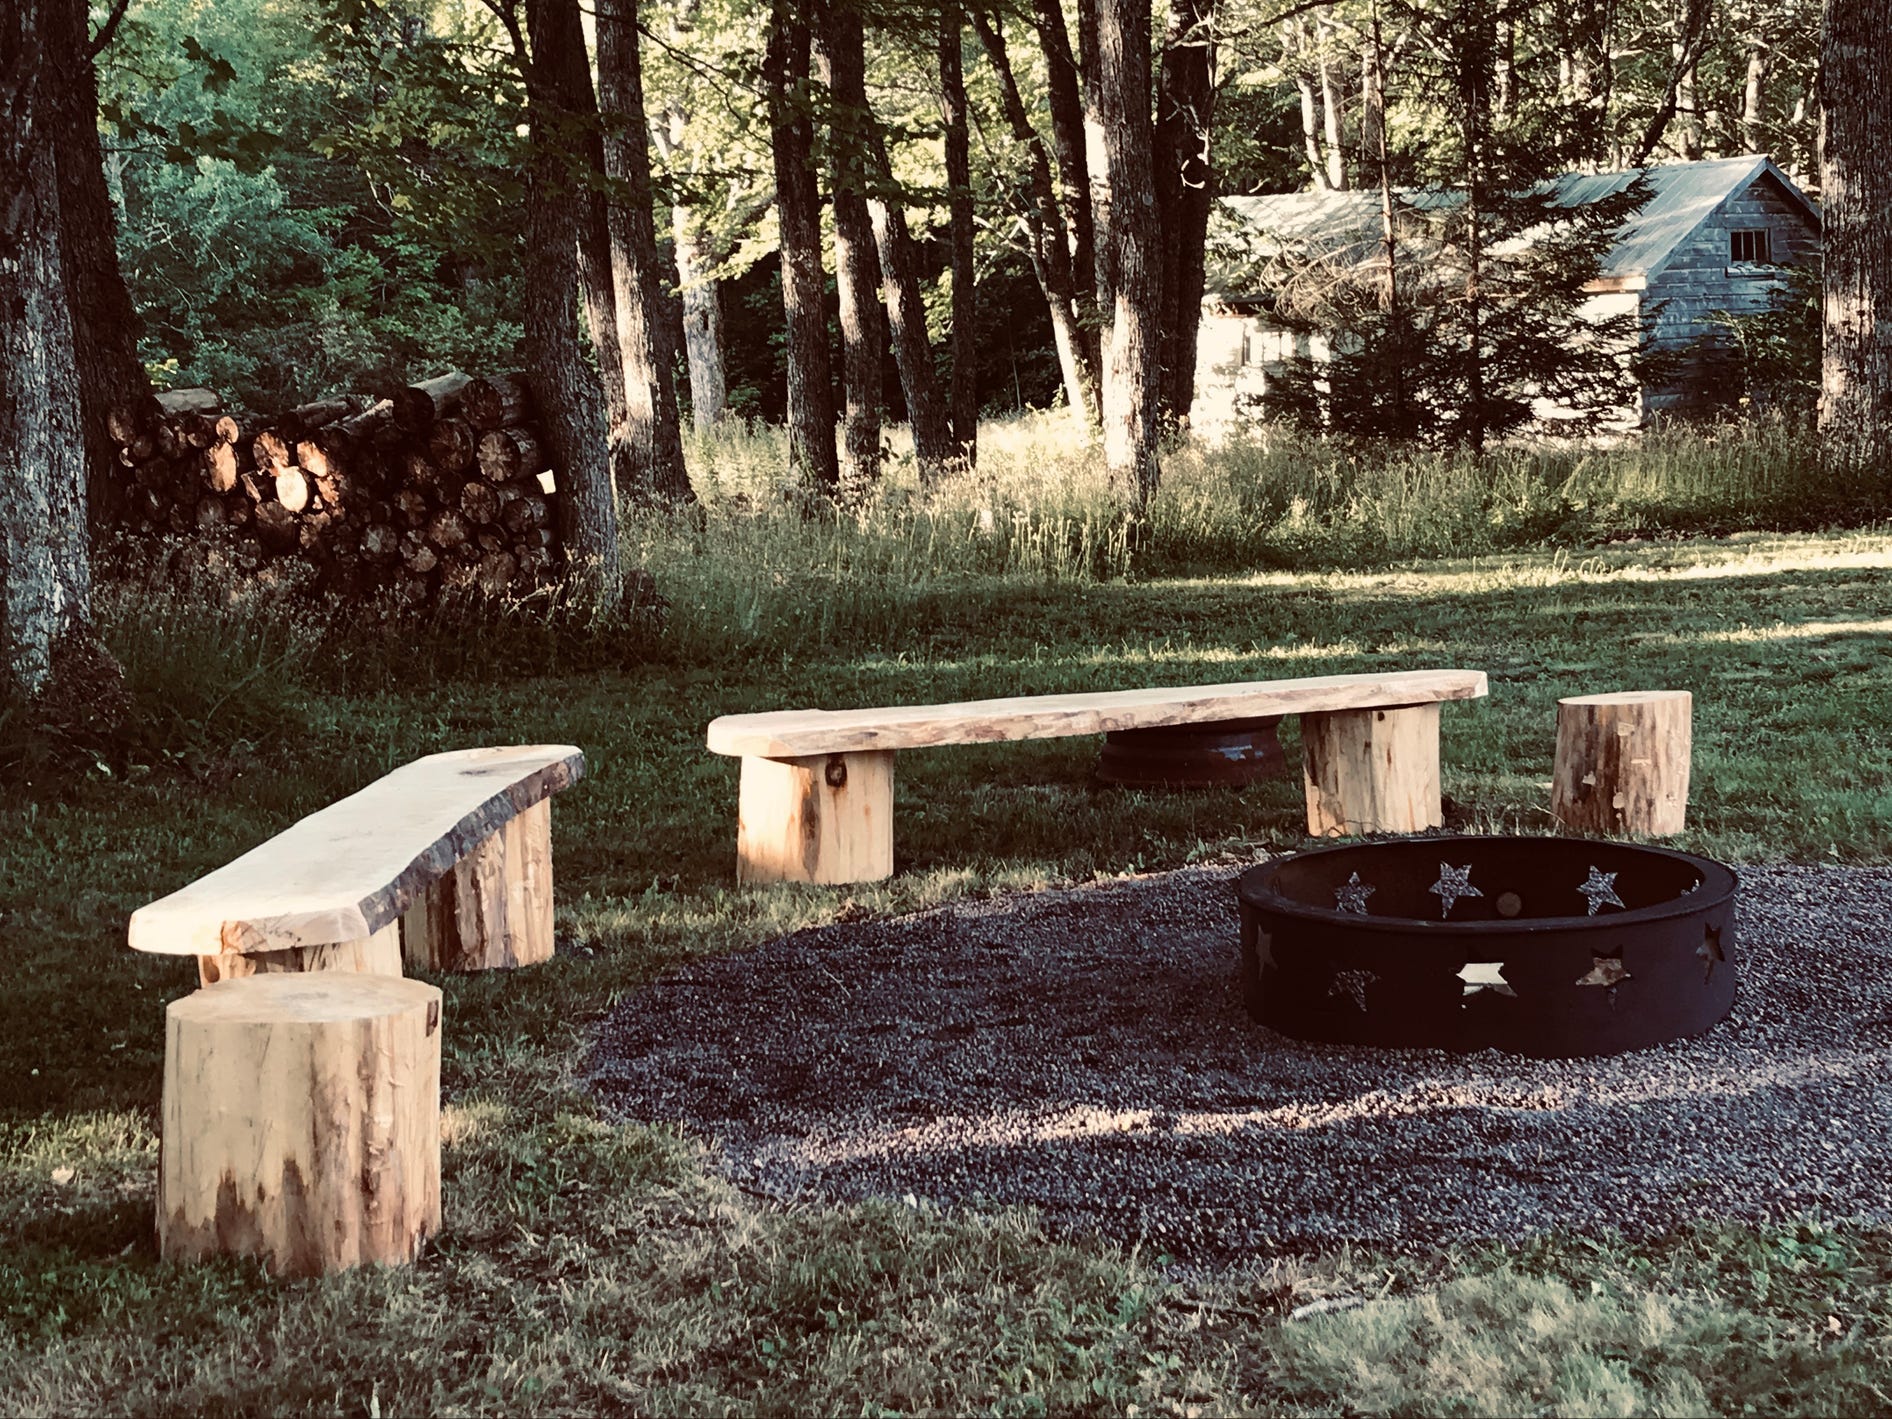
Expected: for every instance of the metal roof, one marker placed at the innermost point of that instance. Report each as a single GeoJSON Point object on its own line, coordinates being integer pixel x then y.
{"type": "Point", "coordinates": [1682, 196]}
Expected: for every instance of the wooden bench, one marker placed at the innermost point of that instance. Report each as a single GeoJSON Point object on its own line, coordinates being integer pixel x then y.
{"type": "Point", "coordinates": [816, 801]}
{"type": "Point", "coordinates": [446, 861]}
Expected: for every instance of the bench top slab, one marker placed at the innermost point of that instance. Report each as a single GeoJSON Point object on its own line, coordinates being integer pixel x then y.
{"type": "Point", "coordinates": [345, 872]}
{"type": "Point", "coordinates": [791, 733]}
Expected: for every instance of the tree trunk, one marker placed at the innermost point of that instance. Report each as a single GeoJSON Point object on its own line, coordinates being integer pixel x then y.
{"type": "Point", "coordinates": [565, 387]}
{"type": "Point", "coordinates": [1294, 57]}
{"type": "Point", "coordinates": [558, 44]}
{"type": "Point", "coordinates": [1330, 110]}
{"type": "Point", "coordinates": [654, 435]}
{"type": "Point", "coordinates": [1185, 184]}
{"type": "Point", "coordinates": [45, 569]}
{"type": "Point", "coordinates": [702, 321]}
{"type": "Point", "coordinates": [104, 325]}
{"type": "Point", "coordinates": [933, 446]}
{"type": "Point", "coordinates": [1856, 199]}
{"type": "Point", "coordinates": [856, 265]}
{"type": "Point", "coordinates": [952, 112]}
{"type": "Point", "coordinates": [1097, 165]}
{"type": "Point", "coordinates": [1049, 251]}
{"type": "Point", "coordinates": [798, 208]}
{"type": "Point", "coordinates": [1069, 142]}
{"type": "Point", "coordinates": [1753, 96]}
{"type": "Point", "coordinates": [1132, 365]}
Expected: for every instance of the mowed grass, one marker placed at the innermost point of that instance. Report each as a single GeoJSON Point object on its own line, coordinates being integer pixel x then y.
{"type": "Point", "coordinates": [587, 1266]}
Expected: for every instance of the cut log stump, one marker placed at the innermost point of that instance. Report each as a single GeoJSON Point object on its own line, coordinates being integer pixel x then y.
{"type": "Point", "coordinates": [1622, 762]}
{"type": "Point", "coordinates": [494, 910]}
{"type": "Point", "coordinates": [1372, 771]}
{"type": "Point", "coordinates": [301, 1122]}
{"type": "Point", "coordinates": [824, 818]}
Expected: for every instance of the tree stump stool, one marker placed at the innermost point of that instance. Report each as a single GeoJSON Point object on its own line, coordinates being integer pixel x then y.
{"type": "Point", "coordinates": [1622, 762]}
{"type": "Point", "coordinates": [301, 1121]}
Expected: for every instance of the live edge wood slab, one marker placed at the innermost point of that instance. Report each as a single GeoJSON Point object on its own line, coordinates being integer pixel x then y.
{"type": "Point", "coordinates": [458, 843]}
{"type": "Point", "coordinates": [816, 801]}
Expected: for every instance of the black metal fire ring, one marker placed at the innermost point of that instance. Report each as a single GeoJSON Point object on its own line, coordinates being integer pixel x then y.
{"type": "Point", "coordinates": [1552, 947]}
{"type": "Point", "coordinates": [1228, 753]}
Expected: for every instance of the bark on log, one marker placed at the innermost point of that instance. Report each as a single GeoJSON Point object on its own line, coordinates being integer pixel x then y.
{"type": "Point", "coordinates": [301, 1122]}
{"type": "Point", "coordinates": [496, 402]}
{"type": "Point", "coordinates": [419, 405]}
{"type": "Point", "coordinates": [1622, 762]}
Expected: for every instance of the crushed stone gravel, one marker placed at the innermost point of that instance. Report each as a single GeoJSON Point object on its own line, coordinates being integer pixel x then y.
{"type": "Point", "coordinates": [1084, 1051]}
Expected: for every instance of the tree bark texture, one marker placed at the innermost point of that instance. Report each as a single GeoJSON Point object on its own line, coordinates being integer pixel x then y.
{"type": "Point", "coordinates": [1133, 359]}
{"type": "Point", "coordinates": [653, 434]}
{"type": "Point", "coordinates": [558, 45]}
{"type": "Point", "coordinates": [702, 321]}
{"type": "Point", "coordinates": [104, 325]}
{"type": "Point", "coordinates": [1074, 172]}
{"type": "Point", "coordinates": [567, 388]}
{"type": "Point", "coordinates": [1050, 253]}
{"type": "Point", "coordinates": [856, 264]}
{"type": "Point", "coordinates": [1097, 164]}
{"type": "Point", "coordinates": [798, 210]}
{"type": "Point", "coordinates": [45, 569]}
{"type": "Point", "coordinates": [1185, 189]}
{"type": "Point", "coordinates": [1856, 199]}
{"type": "Point", "coordinates": [964, 401]}
{"type": "Point", "coordinates": [933, 447]}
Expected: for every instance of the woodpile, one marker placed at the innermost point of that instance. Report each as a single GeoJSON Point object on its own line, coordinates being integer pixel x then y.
{"type": "Point", "coordinates": [443, 488]}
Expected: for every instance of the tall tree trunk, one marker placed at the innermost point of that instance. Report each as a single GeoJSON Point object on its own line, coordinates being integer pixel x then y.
{"type": "Point", "coordinates": [1330, 103]}
{"type": "Point", "coordinates": [45, 566]}
{"type": "Point", "coordinates": [933, 446]}
{"type": "Point", "coordinates": [702, 321]}
{"type": "Point", "coordinates": [964, 404]}
{"type": "Point", "coordinates": [1051, 258]}
{"type": "Point", "coordinates": [1133, 362]}
{"type": "Point", "coordinates": [798, 209]}
{"type": "Point", "coordinates": [1097, 164]}
{"type": "Point", "coordinates": [1185, 183]}
{"type": "Point", "coordinates": [1691, 40]}
{"type": "Point", "coordinates": [1070, 143]}
{"type": "Point", "coordinates": [1856, 200]}
{"type": "Point", "coordinates": [653, 435]}
{"type": "Point", "coordinates": [570, 399]}
{"type": "Point", "coordinates": [1295, 57]}
{"type": "Point", "coordinates": [697, 289]}
{"type": "Point", "coordinates": [842, 49]}
{"type": "Point", "coordinates": [104, 325]}
{"type": "Point", "coordinates": [558, 45]}
{"type": "Point", "coordinates": [1753, 99]}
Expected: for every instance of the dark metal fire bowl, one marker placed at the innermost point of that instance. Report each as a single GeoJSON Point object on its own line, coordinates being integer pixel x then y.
{"type": "Point", "coordinates": [1229, 753]}
{"type": "Point", "coordinates": [1552, 947]}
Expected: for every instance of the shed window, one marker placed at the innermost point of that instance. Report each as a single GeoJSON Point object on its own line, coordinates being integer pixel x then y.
{"type": "Point", "coordinates": [1754, 248]}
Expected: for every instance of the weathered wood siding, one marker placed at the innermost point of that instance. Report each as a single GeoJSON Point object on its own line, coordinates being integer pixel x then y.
{"type": "Point", "coordinates": [1700, 279]}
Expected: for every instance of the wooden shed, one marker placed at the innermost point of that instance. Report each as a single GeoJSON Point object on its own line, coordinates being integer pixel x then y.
{"type": "Point", "coordinates": [1715, 235]}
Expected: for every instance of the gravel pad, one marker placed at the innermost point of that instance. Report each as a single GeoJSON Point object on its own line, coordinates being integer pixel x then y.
{"type": "Point", "coordinates": [1085, 1052]}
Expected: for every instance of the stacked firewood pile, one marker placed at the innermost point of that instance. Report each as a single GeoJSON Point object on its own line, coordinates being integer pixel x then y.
{"type": "Point", "coordinates": [446, 487]}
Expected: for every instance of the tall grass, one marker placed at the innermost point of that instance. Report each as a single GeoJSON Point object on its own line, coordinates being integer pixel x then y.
{"type": "Point", "coordinates": [761, 568]}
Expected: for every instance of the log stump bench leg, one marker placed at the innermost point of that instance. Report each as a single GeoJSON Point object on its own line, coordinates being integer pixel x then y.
{"type": "Point", "coordinates": [1623, 762]}
{"type": "Point", "coordinates": [1372, 771]}
{"type": "Point", "coordinates": [377, 955]}
{"type": "Point", "coordinates": [494, 910]}
{"type": "Point", "coordinates": [825, 818]}
{"type": "Point", "coordinates": [301, 1121]}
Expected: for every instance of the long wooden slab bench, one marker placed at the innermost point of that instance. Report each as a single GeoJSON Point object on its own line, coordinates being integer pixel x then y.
{"type": "Point", "coordinates": [446, 861]}
{"type": "Point", "coordinates": [816, 799]}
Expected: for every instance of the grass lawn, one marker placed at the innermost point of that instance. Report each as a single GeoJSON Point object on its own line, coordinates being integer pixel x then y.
{"type": "Point", "coordinates": [585, 1265]}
